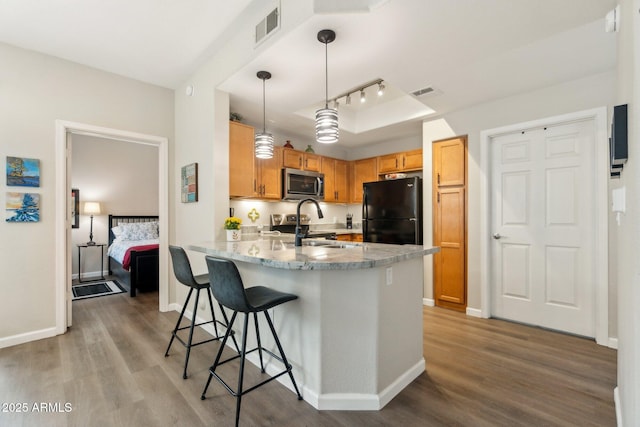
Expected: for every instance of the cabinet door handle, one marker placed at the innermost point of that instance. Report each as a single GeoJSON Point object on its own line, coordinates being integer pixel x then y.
{"type": "Point", "coordinates": [403, 164]}
{"type": "Point", "coordinates": [255, 186]}
{"type": "Point", "coordinates": [396, 163]}
{"type": "Point", "coordinates": [438, 178]}
{"type": "Point", "coordinates": [438, 197]}
{"type": "Point", "coordinates": [300, 161]}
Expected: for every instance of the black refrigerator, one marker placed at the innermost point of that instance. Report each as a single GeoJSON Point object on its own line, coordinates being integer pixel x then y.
{"type": "Point", "coordinates": [392, 211]}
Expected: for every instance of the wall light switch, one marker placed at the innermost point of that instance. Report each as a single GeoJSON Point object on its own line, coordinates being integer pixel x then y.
{"type": "Point", "coordinates": [618, 201]}
{"type": "Point", "coordinates": [389, 275]}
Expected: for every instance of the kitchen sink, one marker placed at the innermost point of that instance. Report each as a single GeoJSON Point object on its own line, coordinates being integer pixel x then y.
{"type": "Point", "coordinates": [333, 244]}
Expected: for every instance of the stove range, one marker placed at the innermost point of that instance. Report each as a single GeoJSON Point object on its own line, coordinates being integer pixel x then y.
{"type": "Point", "coordinates": [286, 223]}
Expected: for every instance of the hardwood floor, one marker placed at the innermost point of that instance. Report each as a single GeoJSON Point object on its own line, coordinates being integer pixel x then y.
{"type": "Point", "coordinates": [110, 370]}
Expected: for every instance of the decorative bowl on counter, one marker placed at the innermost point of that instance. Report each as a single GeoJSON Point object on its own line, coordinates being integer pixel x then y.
{"type": "Point", "coordinates": [395, 176]}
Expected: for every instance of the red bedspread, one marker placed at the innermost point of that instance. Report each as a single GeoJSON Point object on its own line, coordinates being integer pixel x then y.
{"type": "Point", "coordinates": [127, 256]}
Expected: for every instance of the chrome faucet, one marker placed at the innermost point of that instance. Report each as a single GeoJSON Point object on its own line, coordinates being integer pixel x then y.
{"type": "Point", "coordinates": [299, 234]}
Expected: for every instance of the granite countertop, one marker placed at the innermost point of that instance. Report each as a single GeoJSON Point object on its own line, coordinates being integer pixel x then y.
{"type": "Point", "coordinates": [280, 252]}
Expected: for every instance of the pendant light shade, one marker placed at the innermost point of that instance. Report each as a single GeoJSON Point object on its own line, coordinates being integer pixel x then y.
{"type": "Point", "coordinates": [263, 142]}
{"type": "Point", "coordinates": [326, 118]}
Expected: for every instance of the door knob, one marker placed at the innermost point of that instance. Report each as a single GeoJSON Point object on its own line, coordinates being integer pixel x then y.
{"type": "Point", "coordinates": [497, 236]}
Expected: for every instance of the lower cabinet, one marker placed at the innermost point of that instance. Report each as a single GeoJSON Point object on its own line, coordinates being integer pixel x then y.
{"type": "Point", "coordinates": [350, 237]}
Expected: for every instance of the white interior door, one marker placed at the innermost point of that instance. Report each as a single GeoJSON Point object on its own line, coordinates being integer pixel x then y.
{"type": "Point", "coordinates": [543, 226]}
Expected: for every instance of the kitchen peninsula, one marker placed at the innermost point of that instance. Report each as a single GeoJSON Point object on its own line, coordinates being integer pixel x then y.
{"type": "Point", "coordinates": [354, 336]}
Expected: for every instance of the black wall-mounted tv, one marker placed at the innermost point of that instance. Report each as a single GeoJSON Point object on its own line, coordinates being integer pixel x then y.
{"type": "Point", "coordinates": [619, 135]}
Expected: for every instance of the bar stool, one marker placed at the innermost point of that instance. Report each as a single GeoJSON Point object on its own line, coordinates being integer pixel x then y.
{"type": "Point", "coordinates": [184, 274]}
{"type": "Point", "coordinates": [228, 289]}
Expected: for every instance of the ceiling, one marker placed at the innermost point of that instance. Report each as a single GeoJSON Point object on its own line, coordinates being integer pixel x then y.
{"type": "Point", "coordinates": [468, 51]}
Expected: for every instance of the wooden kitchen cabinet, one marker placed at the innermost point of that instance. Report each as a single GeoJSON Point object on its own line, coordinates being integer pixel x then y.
{"type": "Point", "coordinates": [268, 179]}
{"type": "Point", "coordinates": [301, 160]}
{"type": "Point", "coordinates": [350, 237]}
{"type": "Point", "coordinates": [249, 176]}
{"type": "Point", "coordinates": [241, 160]}
{"type": "Point", "coordinates": [405, 161]}
{"type": "Point", "coordinates": [336, 180]}
{"type": "Point", "coordinates": [363, 170]}
{"type": "Point", "coordinates": [450, 222]}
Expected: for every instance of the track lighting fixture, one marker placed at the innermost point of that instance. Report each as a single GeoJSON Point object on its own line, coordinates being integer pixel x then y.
{"type": "Point", "coordinates": [361, 89]}
{"type": "Point", "coordinates": [326, 118]}
{"type": "Point", "coordinates": [263, 142]}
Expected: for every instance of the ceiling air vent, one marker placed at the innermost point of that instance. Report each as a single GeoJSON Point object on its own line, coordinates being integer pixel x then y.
{"type": "Point", "coordinates": [422, 91]}
{"type": "Point", "coordinates": [269, 24]}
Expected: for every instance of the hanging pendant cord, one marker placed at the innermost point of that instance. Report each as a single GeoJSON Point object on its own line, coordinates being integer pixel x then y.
{"type": "Point", "coordinates": [326, 76]}
{"type": "Point", "coordinates": [264, 111]}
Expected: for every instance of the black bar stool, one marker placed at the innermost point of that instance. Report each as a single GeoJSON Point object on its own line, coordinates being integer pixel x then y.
{"type": "Point", "coordinates": [228, 289]}
{"type": "Point", "coordinates": [184, 274]}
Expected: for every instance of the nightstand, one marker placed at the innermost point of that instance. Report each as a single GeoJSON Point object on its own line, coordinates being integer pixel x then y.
{"type": "Point", "coordinates": [85, 245]}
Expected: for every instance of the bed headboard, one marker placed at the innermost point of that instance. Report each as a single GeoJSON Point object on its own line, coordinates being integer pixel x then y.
{"type": "Point", "coordinates": [115, 220]}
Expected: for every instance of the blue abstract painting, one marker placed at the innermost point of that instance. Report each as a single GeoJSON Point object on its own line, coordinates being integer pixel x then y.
{"type": "Point", "coordinates": [23, 172]}
{"type": "Point", "coordinates": [23, 207]}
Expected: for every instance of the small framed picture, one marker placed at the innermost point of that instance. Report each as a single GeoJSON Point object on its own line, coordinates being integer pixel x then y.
{"type": "Point", "coordinates": [22, 172]}
{"type": "Point", "coordinates": [23, 207]}
{"type": "Point", "coordinates": [189, 183]}
{"type": "Point", "coordinates": [75, 208]}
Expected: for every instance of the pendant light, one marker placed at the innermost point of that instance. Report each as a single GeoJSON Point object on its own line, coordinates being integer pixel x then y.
{"type": "Point", "coordinates": [326, 118]}
{"type": "Point", "coordinates": [264, 140]}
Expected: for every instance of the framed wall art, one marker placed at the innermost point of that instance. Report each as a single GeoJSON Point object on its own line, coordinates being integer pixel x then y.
{"type": "Point", "coordinates": [189, 183]}
{"type": "Point", "coordinates": [23, 207]}
{"type": "Point", "coordinates": [75, 208]}
{"type": "Point", "coordinates": [23, 172]}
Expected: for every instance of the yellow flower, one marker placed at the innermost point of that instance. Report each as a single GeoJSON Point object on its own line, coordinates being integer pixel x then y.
{"type": "Point", "coordinates": [232, 223]}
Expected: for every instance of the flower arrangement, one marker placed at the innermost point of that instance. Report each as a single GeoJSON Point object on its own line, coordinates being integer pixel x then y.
{"type": "Point", "coordinates": [232, 223]}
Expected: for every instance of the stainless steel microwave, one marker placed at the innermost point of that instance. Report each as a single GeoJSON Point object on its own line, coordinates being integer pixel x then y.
{"type": "Point", "coordinates": [298, 184]}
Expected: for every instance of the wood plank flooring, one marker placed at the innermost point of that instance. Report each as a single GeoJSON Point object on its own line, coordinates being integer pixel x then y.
{"type": "Point", "coordinates": [110, 370]}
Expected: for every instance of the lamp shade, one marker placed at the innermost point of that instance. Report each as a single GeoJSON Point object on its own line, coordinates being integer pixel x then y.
{"type": "Point", "coordinates": [92, 208]}
{"type": "Point", "coordinates": [264, 145]}
{"type": "Point", "coordinates": [327, 131]}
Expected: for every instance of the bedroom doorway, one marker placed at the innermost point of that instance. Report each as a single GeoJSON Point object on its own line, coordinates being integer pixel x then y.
{"type": "Point", "coordinates": [64, 245]}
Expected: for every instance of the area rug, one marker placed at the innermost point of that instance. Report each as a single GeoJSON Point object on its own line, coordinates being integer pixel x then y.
{"type": "Point", "coordinates": [96, 289]}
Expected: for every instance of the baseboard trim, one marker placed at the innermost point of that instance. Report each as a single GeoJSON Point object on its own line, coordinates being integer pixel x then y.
{"type": "Point", "coordinates": [361, 401]}
{"type": "Point", "coordinates": [474, 312]}
{"type": "Point", "coordinates": [613, 343]}
{"type": "Point", "coordinates": [27, 337]}
{"type": "Point", "coordinates": [618, 405]}
{"type": "Point", "coordinates": [429, 302]}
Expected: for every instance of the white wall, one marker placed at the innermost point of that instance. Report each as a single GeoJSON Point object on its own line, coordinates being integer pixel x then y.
{"type": "Point", "coordinates": [123, 177]}
{"type": "Point", "coordinates": [589, 92]}
{"type": "Point", "coordinates": [626, 237]}
{"type": "Point", "coordinates": [36, 91]}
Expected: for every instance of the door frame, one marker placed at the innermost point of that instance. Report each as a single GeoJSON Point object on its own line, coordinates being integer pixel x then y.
{"type": "Point", "coordinates": [601, 241]}
{"type": "Point", "coordinates": [62, 219]}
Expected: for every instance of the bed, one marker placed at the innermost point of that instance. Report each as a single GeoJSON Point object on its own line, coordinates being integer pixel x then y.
{"type": "Point", "coordinates": [136, 268]}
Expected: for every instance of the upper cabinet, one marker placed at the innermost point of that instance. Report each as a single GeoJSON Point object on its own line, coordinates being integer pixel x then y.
{"type": "Point", "coordinates": [406, 161]}
{"type": "Point", "coordinates": [241, 160]}
{"type": "Point", "coordinates": [262, 178]}
{"type": "Point", "coordinates": [363, 170]}
{"type": "Point", "coordinates": [248, 176]}
{"type": "Point", "coordinates": [301, 160]}
{"type": "Point", "coordinates": [336, 180]}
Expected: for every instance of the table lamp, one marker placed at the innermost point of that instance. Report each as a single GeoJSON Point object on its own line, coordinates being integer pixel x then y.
{"type": "Point", "coordinates": [91, 208]}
